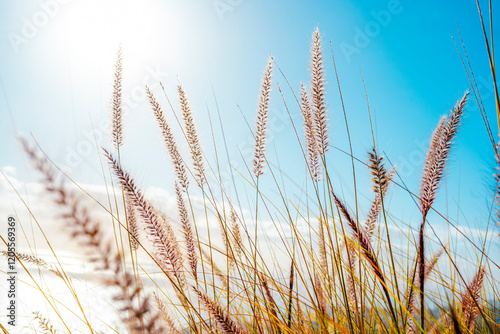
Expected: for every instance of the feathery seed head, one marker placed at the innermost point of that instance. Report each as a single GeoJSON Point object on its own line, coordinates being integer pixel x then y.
{"type": "Point", "coordinates": [378, 171]}
{"type": "Point", "coordinates": [261, 127]}
{"type": "Point", "coordinates": [187, 230]}
{"type": "Point", "coordinates": [381, 179]}
{"type": "Point", "coordinates": [437, 156]}
{"type": "Point", "coordinates": [192, 137]}
{"type": "Point", "coordinates": [116, 107]}
{"type": "Point", "coordinates": [165, 315]}
{"type": "Point", "coordinates": [132, 224]}
{"type": "Point", "coordinates": [235, 226]}
{"type": "Point", "coordinates": [471, 299]}
{"type": "Point", "coordinates": [165, 251]}
{"type": "Point", "coordinates": [168, 138]}
{"type": "Point", "coordinates": [318, 93]}
{"type": "Point", "coordinates": [223, 320]}
{"type": "Point", "coordinates": [310, 135]}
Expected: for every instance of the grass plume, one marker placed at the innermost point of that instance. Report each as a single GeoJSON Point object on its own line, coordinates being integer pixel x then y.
{"type": "Point", "coordinates": [434, 166]}
{"type": "Point", "coordinates": [259, 156]}
{"type": "Point", "coordinates": [168, 138]}
{"type": "Point", "coordinates": [116, 104]}
{"type": "Point", "coordinates": [192, 137]}
{"type": "Point", "coordinates": [318, 93]}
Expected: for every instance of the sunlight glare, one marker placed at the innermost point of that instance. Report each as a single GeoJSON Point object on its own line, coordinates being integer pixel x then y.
{"type": "Point", "coordinates": [95, 29]}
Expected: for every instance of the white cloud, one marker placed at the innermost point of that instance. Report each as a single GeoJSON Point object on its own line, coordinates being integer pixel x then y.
{"type": "Point", "coordinates": [34, 207]}
{"type": "Point", "coordinates": [9, 170]}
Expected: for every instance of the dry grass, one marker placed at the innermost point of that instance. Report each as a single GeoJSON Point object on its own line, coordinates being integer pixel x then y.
{"type": "Point", "coordinates": [310, 134]}
{"type": "Point", "coordinates": [318, 94]}
{"type": "Point", "coordinates": [169, 140]}
{"type": "Point", "coordinates": [434, 166]}
{"type": "Point", "coordinates": [116, 108]}
{"type": "Point", "coordinates": [335, 274]}
{"type": "Point", "coordinates": [259, 156]}
{"type": "Point", "coordinates": [192, 137]}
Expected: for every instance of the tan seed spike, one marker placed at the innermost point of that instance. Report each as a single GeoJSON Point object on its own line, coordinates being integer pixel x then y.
{"type": "Point", "coordinates": [381, 179]}
{"type": "Point", "coordinates": [165, 315]}
{"type": "Point", "coordinates": [132, 224]}
{"type": "Point", "coordinates": [168, 137]}
{"type": "Point", "coordinates": [223, 320]}
{"type": "Point", "coordinates": [310, 135]}
{"type": "Point", "coordinates": [235, 226]}
{"type": "Point", "coordinates": [471, 300]}
{"type": "Point", "coordinates": [318, 93]}
{"type": "Point", "coordinates": [165, 250]}
{"type": "Point", "coordinates": [261, 127]}
{"type": "Point", "coordinates": [187, 229]}
{"type": "Point", "coordinates": [192, 137]}
{"type": "Point", "coordinates": [434, 166]}
{"type": "Point", "coordinates": [438, 154]}
{"type": "Point", "coordinates": [116, 104]}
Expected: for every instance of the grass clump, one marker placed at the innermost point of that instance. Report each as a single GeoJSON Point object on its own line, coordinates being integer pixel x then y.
{"type": "Point", "coordinates": [212, 271]}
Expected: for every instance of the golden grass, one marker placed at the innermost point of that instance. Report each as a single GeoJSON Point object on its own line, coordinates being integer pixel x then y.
{"type": "Point", "coordinates": [336, 275]}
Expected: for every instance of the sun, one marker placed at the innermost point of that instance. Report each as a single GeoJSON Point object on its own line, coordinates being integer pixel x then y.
{"type": "Point", "coordinates": [90, 32]}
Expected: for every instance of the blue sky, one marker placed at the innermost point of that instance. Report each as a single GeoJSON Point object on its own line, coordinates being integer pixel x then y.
{"type": "Point", "coordinates": [57, 64]}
